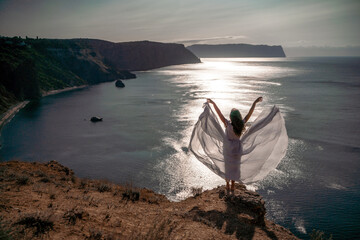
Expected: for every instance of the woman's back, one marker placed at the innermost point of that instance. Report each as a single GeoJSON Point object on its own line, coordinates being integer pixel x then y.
{"type": "Point", "coordinates": [229, 131]}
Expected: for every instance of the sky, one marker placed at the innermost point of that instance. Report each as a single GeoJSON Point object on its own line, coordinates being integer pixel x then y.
{"type": "Point", "coordinates": [290, 23]}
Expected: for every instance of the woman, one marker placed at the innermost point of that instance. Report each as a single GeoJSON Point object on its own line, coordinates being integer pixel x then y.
{"type": "Point", "coordinates": [238, 155]}
{"type": "Point", "coordinates": [232, 150]}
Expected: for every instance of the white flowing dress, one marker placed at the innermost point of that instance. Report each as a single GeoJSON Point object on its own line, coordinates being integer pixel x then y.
{"type": "Point", "coordinates": [248, 159]}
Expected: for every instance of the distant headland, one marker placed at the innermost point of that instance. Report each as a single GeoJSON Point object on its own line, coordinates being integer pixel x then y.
{"type": "Point", "coordinates": [236, 50]}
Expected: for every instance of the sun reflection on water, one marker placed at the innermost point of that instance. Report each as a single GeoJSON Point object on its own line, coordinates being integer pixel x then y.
{"type": "Point", "coordinates": [230, 83]}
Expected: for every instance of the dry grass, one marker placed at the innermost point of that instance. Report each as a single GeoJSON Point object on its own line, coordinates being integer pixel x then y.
{"type": "Point", "coordinates": [43, 188]}
{"type": "Point", "coordinates": [45, 179]}
{"type": "Point", "coordinates": [22, 180]}
{"type": "Point", "coordinates": [149, 196]}
{"type": "Point", "coordinates": [95, 235]}
{"type": "Point", "coordinates": [161, 229]}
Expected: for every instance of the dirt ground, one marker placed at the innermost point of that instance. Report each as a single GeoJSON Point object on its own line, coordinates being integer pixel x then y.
{"type": "Point", "coordinates": [46, 201]}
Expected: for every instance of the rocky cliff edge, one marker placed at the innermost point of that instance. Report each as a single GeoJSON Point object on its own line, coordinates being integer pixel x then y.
{"type": "Point", "coordinates": [47, 201]}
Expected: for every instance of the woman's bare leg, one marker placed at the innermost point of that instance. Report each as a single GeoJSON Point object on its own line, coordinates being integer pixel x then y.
{"type": "Point", "coordinates": [227, 185]}
{"type": "Point", "coordinates": [232, 185]}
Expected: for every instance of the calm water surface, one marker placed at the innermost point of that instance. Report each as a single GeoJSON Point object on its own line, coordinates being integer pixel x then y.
{"type": "Point", "coordinates": [147, 127]}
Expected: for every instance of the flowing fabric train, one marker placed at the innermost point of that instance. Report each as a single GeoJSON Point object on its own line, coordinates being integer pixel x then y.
{"type": "Point", "coordinates": [263, 145]}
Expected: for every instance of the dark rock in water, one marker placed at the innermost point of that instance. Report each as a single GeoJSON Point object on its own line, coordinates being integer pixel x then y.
{"type": "Point", "coordinates": [96, 119]}
{"type": "Point", "coordinates": [119, 84]}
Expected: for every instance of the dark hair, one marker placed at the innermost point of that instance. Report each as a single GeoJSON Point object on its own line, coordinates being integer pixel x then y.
{"type": "Point", "coordinates": [236, 121]}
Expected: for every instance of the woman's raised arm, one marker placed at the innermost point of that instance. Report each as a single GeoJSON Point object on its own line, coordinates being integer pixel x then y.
{"type": "Point", "coordinates": [221, 116]}
{"type": "Point", "coordinates": [259, 99]}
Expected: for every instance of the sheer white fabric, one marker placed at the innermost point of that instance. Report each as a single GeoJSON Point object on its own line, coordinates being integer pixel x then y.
{"type": "Point", "coordinates": [248, 159]}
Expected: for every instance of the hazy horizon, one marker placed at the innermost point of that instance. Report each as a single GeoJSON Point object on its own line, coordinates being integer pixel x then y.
{"type": "Point", "coordinates": [302, 28]}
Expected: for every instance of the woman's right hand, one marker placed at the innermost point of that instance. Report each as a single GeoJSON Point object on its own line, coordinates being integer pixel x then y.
{"type": "Point", "coordinates": [259, 99]}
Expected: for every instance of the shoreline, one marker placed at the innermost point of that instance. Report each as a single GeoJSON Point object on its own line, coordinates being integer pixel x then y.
{"type": "Point", "coordinates": [53, 92]}
{"type": "Point", "coordinates": [11, 112]}
{"type": "Point", "coordinates": [14, 109]}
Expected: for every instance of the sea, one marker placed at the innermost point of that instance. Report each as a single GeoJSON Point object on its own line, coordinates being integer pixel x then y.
{"type": "Point", "coordinates": [147, 125]}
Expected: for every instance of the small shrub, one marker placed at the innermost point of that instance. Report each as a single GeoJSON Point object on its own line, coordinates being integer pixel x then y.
{"type": "Point", "coordinates": [45, 180]}
{"type": "Point", "coordinates": [12, 176]}
{"type": "Point", "coordinates": [73, 179]}
{"type": "Point", "coordinates": [5, 234]}
{"type": "Point", "coordinates": [67, 171]}
{"type": "Point", "coordinates": [2, 170]}
{"type": "Point", "coordinates": [40, 173]}
{"type": "Point", "coordinates": [104, 188]}
{"type": "Point", "coordinates": [129, 194]}
{"type": "Point", "coordinates": [83, 184]}
{"type": "Point", "coordinates": [107, 217]}
{"type": "Point", "coordinates": [52, 196]}
{"type": "Point", "coordinates": [22, 180]}
{"type": "Point", "coordinates": [95, 235]}
{"type": "Point", "coordinates": [74, 214]}
{"type": "Point", "coordinates": [41, 223]}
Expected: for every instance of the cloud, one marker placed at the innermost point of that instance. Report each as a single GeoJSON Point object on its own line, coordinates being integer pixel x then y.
{"type": "Point", "coordinates": [322, 22]}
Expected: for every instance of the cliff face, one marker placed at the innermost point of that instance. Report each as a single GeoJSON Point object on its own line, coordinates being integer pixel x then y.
{"type": "Point", "coordinates": [236, 50]}
{"type": "Point", "coordinates": [48, 201]}
{"type": "Point", "coordinates": [140, 56]}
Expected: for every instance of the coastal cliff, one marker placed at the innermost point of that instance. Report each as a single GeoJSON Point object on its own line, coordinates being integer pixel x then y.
{"type": "Point", "coordinates": [236, 50]}
{"type": "Point", "coordinates": [46, 200]}
{"type": "Point", "coordinates": [31, 67]}
{"type": "Point", "coordinates": [142, 55]}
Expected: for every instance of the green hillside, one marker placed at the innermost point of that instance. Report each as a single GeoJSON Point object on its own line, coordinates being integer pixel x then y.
{"type": "Point", "coordinates": [29, 67]}
{"type": "Point", "coordinates": [26, 72]}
